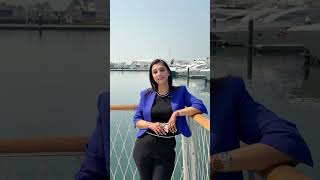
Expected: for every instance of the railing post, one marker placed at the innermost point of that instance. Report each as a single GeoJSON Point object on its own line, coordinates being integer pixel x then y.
{"type": "Point", "coordinates": [251, 175]}
{"type": "Point", "coordinates": [185, 158]}
{"type": "Point", "coordinates": [250, 49]}
{"type": "Point", "coordinates": [192, 154]}
{"type": "Point", "coordinates": [188, 76]}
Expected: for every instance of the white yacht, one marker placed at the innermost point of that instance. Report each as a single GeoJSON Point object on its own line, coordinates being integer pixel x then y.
{"type": "Point", "coordinates": [196, 69]}
{"type": "Point", "coordinates": [140, 65]}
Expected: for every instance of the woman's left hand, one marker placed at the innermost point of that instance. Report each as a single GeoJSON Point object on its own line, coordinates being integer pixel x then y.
{"type": "Point", "coordinates": [172, 123]}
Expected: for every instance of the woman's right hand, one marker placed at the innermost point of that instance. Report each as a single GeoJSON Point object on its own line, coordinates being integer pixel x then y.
{"type": "Point", "coordinates": [215, 164]}
{"type": "Point", "coordinates": [157, 128]}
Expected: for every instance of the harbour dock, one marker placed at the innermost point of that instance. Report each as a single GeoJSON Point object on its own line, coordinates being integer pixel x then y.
{"type": "Point", "coordinates": [283, 48]}
{"type": "Point", "coordinates": [95, 27]}
{"type": "Point", "coordinates": [129, 69]}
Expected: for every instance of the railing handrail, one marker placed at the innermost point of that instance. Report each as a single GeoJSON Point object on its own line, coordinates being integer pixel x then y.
{"type": "Point", "coordinates": [284, 172]}
{"type": "Point", "coordinates": [128, 107]}
{"type": "Point", "coordinates": [22, 146]}
{"type": "Point", "coordinates": [199, 118]}
{"type": "Point", "coordinates": [280, 172]}
{"type": "Point", "coordinates": [56, 145]}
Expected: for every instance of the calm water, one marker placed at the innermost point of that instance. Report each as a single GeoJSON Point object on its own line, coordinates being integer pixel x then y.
{"type": "Point", "coordinates": [281, 84]}
{"type": "Point", "coordinates": [125, 89]}
{"type": "Point", "coordinates": [49, 88]}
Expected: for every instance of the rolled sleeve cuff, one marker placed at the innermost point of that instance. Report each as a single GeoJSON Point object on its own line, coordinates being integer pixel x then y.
{"type": "Point", "coordinates": [291, 144]}
{"type": "Point", "coordinates": [200, 107]}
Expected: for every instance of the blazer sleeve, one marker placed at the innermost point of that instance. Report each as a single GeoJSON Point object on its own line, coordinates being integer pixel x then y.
{"type": "Point", "coordinates": [139, 110]}
{"type": "Point", "coordinates": [192, 101]}
{"type": "Point", "coordinates": [260, 125]}
{"type": "Point", "coordinates": [94, 164]}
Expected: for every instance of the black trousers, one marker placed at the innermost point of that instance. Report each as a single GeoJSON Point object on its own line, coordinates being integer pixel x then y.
{"type": "Point", "coordinates": [154, 157]}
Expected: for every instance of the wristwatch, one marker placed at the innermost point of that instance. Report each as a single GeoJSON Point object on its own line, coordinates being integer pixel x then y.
{"type": "Point", "coordinates": [225, 159]}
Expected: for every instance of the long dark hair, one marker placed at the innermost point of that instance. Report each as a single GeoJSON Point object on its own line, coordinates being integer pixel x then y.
{"type": "Point", "coordinates": [153, 83]}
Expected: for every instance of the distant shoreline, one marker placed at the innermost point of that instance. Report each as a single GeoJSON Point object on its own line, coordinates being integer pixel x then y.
{"type": "Point", "coordinates": [104, 27]}
{"type": "Point", "coordinates": [129, 70]}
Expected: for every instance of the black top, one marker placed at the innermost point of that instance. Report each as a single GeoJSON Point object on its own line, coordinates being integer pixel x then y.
{"type": "Point", "coordinates": [161, 111]}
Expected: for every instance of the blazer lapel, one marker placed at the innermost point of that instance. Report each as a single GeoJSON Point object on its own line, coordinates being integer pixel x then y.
{"type": "Point", "coordinates": [174, 101]}
{"type": "Point", "coordinates": [149, 105]}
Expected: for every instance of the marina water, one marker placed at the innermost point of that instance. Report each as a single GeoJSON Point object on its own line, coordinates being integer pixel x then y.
{"type": "Point", "coordinates": [50, 82]}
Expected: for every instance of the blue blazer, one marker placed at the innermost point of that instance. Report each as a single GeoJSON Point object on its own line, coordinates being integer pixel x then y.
{"type": "Point", "coordinates": [237, 117]}
{"type": "Point", "coordinates": [96, 159]}
{"type": "Point", "coordinates": [180, 97]}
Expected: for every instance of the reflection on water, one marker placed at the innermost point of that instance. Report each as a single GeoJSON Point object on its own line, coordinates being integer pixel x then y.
{"type": "Point", "coordinates": [280, 83]}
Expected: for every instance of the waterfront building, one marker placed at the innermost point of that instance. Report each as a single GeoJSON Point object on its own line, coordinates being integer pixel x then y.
{"type": "Point", "coordinates": [11, 14]}
{"type": "Point", "coordinates": [103, 11]}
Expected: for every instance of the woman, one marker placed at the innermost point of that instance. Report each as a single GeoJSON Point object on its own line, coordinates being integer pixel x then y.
{"type": "Point", "coordinates": [160, 116]}
{"type": "Point", "coordinates": [95, 165]}
{"type": "Point", "coordinates": [237, 117]}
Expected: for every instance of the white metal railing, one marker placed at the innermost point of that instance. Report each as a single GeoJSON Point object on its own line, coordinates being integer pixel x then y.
{"type": "Point", "coordinates": [192, 154]}
{"type": "Point", "coordinates": [63, 155]}
{"type": "Point", "coordinates": [122, 138]}
{"type": "Point", "coordinates": [196, 153]}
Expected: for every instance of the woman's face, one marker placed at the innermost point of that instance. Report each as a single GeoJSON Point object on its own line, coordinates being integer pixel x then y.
{"type": "Point", "coordinates": [160, 73]}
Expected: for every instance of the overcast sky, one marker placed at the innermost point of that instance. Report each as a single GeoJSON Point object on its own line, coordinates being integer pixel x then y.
{"type": "Point", "coordinates": [148, 29]}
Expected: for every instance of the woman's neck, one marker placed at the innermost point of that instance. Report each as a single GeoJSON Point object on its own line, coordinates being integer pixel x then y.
{"type": "Point", "coordinates": [163, 89]}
